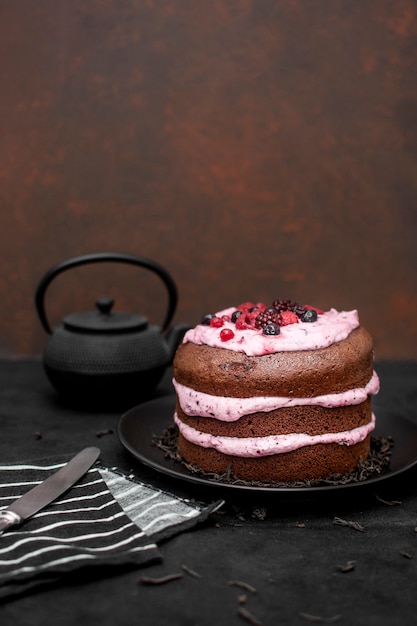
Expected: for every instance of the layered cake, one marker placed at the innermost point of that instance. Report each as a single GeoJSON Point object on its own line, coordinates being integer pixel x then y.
{"type": "Point", "coordinates": [277, 393]}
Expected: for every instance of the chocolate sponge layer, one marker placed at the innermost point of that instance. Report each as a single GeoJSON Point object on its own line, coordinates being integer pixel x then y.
{"type": "Point", "coordinates": [345, 365]}
{"type": "Point", "coordinates": [310, 420]}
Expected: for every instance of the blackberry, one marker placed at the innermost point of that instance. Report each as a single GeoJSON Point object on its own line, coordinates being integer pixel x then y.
{"type": "Point", "coordinates": [206, 319]}
{"type": "Point", "coordinates": [271, 329]}
{"type": "Point", "coordinates": [267, 316]}
{"type": "Point", "coordinates": [235, 315]}
{"type": "Point", "coordinates": [284, 305]}
{"type": "Point", "coordinates": [309, 316]}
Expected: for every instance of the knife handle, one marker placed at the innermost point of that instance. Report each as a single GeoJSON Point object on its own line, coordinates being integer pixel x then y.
{"type": "Point", "coordinates": [8, 518]}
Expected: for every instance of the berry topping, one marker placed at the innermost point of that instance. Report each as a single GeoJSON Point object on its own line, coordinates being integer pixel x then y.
{"type": "Point", "coordinates": [309, 316]}
{"type": "Point", "coordinates": [288, 317]}
{"type": "Point", "coordinates": [259, 317]}
{"type": "Point", "coordinates": [217, 322]}
{"type": "Point", "coordinates": [284, 305]}
{"type": "Point", "coordinates": [268, 315]}
{"type": "Point", "coordinates": [226, 334]}
{"type": "Point", "coordinates": [271, 329]}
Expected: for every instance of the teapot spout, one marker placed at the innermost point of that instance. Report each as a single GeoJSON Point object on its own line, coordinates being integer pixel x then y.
{"type": "Point", "coordinates": [174, 337]}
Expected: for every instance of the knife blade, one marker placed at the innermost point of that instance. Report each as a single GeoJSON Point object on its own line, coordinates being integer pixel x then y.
{"type": "Point", "coordinates": [46, 492]}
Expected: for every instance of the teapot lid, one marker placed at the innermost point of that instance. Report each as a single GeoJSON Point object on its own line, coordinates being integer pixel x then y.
{"type": "Point", "coordinates": [104, 321]}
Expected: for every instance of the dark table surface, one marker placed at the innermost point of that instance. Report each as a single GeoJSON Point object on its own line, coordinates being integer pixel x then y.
{"type": "Point", "coordinates": [296, 564]}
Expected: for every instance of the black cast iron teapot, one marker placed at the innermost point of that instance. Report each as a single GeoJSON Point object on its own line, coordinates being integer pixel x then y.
{"type": "Point", "coordinates": [107, 359]}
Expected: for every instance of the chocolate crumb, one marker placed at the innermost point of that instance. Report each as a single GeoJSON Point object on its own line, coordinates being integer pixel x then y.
{"type": "Point", "coordinates": [38, 435]}
{"type": "Point", "coordinates": [242, 598]}
{"type": "Point", "coordinates": [259, 513]}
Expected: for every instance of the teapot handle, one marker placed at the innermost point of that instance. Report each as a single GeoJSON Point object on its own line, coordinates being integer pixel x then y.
{"type": "Point", "coordinates": [100, 257]}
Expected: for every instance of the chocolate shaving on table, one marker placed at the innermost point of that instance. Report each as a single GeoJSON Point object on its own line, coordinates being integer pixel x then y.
{"type": "Point", "coordinates": [349, 567]}
{"type": "Point", "coordinates": [242, 585]}
{"type": "Point", "coordinates": [247, 615]}
{"type": "Point", "coordinates": [318, 619]}
{"type": "Point", "coordinates": [190, 571]}
{"type": "Point", "coordinates": [351, 524]}
{"type": "Point", "coordinates": [148, 580]}
{"type": "Point", "coordinates": [388, 502]}
{"type": "Point", "coordinates": [102, 433]}
{"type": "Point", "coordinates": [406, 555]}
{"type": "Point", "coordinates": [377, 462]}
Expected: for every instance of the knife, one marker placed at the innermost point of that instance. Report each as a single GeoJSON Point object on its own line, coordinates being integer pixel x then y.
{"type": "Point", "coordinates": [46, 492]}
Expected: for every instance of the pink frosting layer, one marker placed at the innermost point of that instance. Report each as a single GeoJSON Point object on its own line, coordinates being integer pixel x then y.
{"type": "Point", "coordinates": [253, 447]}
{"type": "Point", "coordinates": [330, 327]}
{"type": "Point", "coordinates": [231, 409]}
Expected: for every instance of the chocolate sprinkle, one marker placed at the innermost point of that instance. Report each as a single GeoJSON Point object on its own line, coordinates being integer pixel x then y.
{"type": "Point", "coordinates": [377, 462]}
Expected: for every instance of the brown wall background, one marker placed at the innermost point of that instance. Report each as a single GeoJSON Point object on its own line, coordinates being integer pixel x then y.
{"type": "Point", "coordinates": [255, 148]}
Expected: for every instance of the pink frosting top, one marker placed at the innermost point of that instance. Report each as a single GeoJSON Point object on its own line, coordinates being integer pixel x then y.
{"type": "Point", "coordinates": [330, 327]}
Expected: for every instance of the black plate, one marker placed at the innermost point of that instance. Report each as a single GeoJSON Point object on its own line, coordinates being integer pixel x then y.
{"type": "Point", "coordinates": [138, 427]}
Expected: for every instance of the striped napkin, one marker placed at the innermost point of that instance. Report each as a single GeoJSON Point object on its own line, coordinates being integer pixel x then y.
{"type": "Point", "coordinates": [106, 518]}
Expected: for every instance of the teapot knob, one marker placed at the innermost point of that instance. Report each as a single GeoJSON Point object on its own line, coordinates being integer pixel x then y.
{"type": "Point", "coordinates": [104, 305]}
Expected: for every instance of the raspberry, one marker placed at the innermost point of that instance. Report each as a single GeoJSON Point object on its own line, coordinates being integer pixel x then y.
{"type": "Point", "coordinates": [251, 307]}
{"type": "Point", "coordinates": [226, 334]}
{"type": "Point", "coordinates": [245, 306]}
{"type": "Point", "coordinates": [257, 308]}
{"type": "Point", "coordinates": [268, 315]}
{"type": "Point", "coordinates": [288, 317]}
{"type": "Point", "coordinates": [216, 322]}
{"type": "Point", "coordinates": [284, 305]}
{"type": "Point", "coordinates": [246, 320]}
